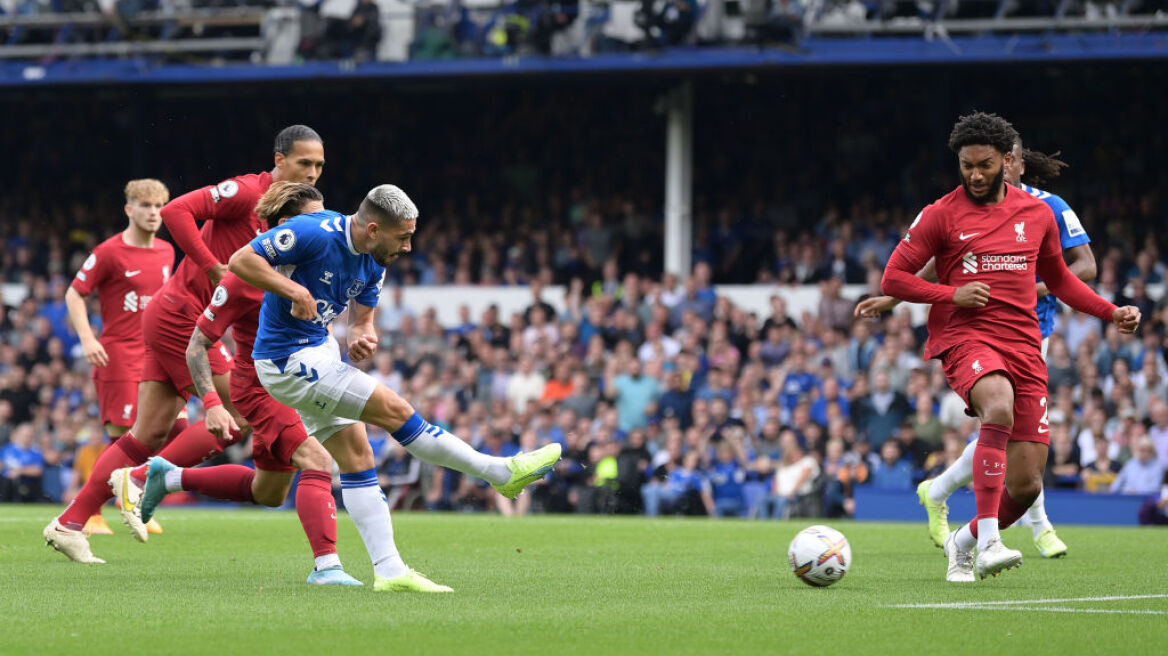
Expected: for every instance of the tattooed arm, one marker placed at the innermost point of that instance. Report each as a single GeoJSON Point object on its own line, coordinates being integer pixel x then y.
{"type": "Point", "coordinates": [219, 419]}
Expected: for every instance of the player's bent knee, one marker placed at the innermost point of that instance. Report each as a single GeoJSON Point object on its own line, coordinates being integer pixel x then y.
{"type": "Point", "coordinates": [385, 408]}
{"type": "Point", "coordinates": [311, 456]}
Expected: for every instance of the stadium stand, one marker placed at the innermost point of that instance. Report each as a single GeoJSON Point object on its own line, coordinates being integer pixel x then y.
{"type": "Point", "coordinates": [672, 390]}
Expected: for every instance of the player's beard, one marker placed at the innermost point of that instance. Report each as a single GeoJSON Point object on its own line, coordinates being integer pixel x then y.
{"type": "Point", "coordinates": [385, 257]}
{"type": "Point", "coordinates": [991, 193]}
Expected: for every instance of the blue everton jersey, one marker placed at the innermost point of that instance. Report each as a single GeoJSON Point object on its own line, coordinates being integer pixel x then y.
{"type": "Point", "coordinates": [1071, 234]}
{"type": "Point", "coordinates": [315, 250]}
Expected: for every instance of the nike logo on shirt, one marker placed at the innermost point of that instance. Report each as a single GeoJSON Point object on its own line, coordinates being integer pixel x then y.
{"type": "Point", "coordinates": [131, 274]}
{"type": "Point", "coordinates": [964, 236]}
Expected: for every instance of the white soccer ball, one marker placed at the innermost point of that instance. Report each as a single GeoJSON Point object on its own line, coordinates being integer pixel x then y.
{"type": "Point", "coordinates": [820, 555]}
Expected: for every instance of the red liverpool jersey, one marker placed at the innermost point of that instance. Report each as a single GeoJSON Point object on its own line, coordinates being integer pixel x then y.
{"type": "Point", "coordinates": [126, 278]}
{"type": "Point", "coordinates": [229, 211]}
{"type": "Point", "coordinates": [996, 244]}
{"type": "Point", "coordinates": [234, 304]}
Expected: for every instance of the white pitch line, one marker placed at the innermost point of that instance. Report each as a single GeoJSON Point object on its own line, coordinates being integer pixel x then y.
{"type": "Point", "coordinates": [967, 604]}
{"type": "Point", "coordinates": [1042, 609]}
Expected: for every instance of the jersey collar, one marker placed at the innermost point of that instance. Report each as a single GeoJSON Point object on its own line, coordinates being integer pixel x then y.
{"type": "Point", "coordinates": [349, 234]}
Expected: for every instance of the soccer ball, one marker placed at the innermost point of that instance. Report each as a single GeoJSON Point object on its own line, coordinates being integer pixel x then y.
{"type": "Point", "coordinates": [820, 555]}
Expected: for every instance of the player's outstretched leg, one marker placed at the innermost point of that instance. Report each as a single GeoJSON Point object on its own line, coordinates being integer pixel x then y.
{"type": "Point", "coordinates": [507, 475]}
{"type": "Point", "coordinates": [1045, 540]}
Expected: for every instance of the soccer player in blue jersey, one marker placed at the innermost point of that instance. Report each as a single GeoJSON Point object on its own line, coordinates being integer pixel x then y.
{"type": "Point", "coordinates": [933, 493]}
{"type": "Point", "coordinates": [313, 267]}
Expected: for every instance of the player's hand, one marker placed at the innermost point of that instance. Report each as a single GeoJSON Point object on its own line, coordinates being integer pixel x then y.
{"type": "Point", "coordinates": [1126, 318]}
{"type": "Point", "coordinates": [217, 272]}
{"type": "Point", "coordinates": [972, 295]}
{"type": "Point", "coordinates": [304, 305]}
{"type": "Point", "coordinates": [94, 353]}
{"type": "Point", "coordinates": [220, 422]}
{"type": "Point", "coordinates": [871, 307]}
{"type": "Point", "coordinates": [362, 348]}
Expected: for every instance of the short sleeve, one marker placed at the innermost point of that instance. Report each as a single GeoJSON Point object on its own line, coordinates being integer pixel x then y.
{"type": "Point", "coordinates": [227, 304]}
{"type": "Point", "coordinates": [372, 292]}
{"type": "Point", "coordinates": [91, 273]}
{"type": "Point", "coordinates": [293, 242]}
{"type": "Point", "coordinates": [1071, 231]}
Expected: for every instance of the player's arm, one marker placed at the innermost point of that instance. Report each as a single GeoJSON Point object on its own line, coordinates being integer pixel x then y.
{"type": "Point", "coordinates": [219, 420]}
{"type": "Point", "coordinates": [362, 332]}
{"type": "Point", "coordinates": [254, 269]}
{"type": "Point", "coordinates": [871, 307]}
{"type": "Point", "coordinates": [92, 349]}
{"type": "Point", "coordinates": [1074, 292]}
{"type": "Point", "coordinates": [1081, 261]}
{"type": "Point", "coordinates": [900, 276]}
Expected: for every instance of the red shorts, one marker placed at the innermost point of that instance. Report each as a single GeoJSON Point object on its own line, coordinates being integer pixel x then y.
{"type": "Point", "coordinates": [966, 363]}
{"type": "Point", "coordinates": [276, 431]}
{"type": "Point", "coordinates": [118, 400]}
{"type": "Point", "coordinates": [167, 326]}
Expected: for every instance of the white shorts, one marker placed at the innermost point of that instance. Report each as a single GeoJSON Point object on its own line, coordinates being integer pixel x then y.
{"type": "Point", "coordinates": [327, 393]}
{"type": "Point", "coordinates": [1045, 346]}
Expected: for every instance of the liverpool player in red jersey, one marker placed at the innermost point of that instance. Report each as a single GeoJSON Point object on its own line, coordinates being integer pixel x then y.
{"type": "Point", "coordinates": [126, 270]}
{"type": "Point", "coordinates": [280, 444]}
{"type": "Point", "coordinates": [229, 211]}
{"type": "Point", "coordinates": [989, 240]}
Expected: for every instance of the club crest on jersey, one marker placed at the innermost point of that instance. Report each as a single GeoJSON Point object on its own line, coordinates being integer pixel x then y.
{"type": "Point", "coordinates": [1020, 228]}
{"type": "Point", "coordinates": [977, 368]}
{"type": "Point", "coordinates": [356, 288]}
{"type": "Point", "coordinates": [219, 297]}
{"type": "Point", "coordinates": [285, 240]}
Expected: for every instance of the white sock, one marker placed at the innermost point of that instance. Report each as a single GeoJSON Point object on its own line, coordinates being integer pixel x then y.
{"type": "Point", "coordinates": [964, 538]}
{"type": "Point", "coordinates": [1036, 515]}
{"type": "Point", "coordinates": [326, 561]}
{"type": "Point", "coordinates": [436, 446]}
{"type": "Point", "coordinates": [959, 474]}
{"type": "Point", "coordinates": [366, 505]}
{"type": "Point", "coordinates": [173, 480]}
{"type": "Point", "coordinates": [987, 530]}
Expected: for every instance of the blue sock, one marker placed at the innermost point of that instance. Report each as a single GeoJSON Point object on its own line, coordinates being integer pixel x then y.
{"type": "Point", "coordinates": [410, 430]}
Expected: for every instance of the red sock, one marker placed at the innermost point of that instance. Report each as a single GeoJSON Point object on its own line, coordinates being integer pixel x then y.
{"type": "Point", "coordinates": [318, 513]}
{"type": "Point", "coordinates": [180, 424]}
{"type": "Point", "coordinates": [126, 452]}
{"type": "Point", "coordinates": [226, 482]}
{"type": "Point", "coordinates": [989, 471]}
{"type": "Point", "coordinates": [191, 447]}
{"type": "Point", "coordinates": [1009, 510]}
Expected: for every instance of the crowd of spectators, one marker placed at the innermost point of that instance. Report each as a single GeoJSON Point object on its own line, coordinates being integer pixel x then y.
{"type": "Point", "coordinates": [667, 397]}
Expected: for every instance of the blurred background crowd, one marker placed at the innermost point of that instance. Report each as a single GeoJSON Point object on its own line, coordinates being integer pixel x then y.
{"type": "Point", "coordinates": [667, 397]}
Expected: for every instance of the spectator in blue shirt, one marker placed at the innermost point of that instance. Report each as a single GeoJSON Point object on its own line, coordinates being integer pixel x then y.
{"type": "Point", "coordinates": [1142, 474]}
{"type": "Point", "coordinates": [829, 395]}
{"type": "Point", "coordinates": [893, 472]}
{"type": "Point", "coordinates": [727, 475]}
{"type": "Point", "coordinates": [23, 466]}
{"type": "Point", "coordinates": [676, 402]}
{"type": "Point", "coordinates": [633, 392]}
{"type": "Point", "coordinates": [798, 383]}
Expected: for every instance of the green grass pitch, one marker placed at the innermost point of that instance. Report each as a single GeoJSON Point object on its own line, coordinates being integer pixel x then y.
{"type": "Point", "coordinates": [232, 582]}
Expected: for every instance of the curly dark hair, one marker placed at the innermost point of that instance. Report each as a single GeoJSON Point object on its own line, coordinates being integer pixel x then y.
{"type": "Point", "coordinates": [1041, 167]}
{"type": "Point", "coordinates": [982, 129]}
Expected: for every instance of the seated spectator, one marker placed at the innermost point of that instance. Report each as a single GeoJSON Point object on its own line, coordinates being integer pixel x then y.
{"type": "Point", "coordinates": [795, 477]}
{"type": "Point", "coordinates": [1143, 474]}
{"type": "Point", "coordinates": [561, 386]}
{"type": "Point", "coordinates": [23, 466]}
{"type": "Point", "coordinates": [880, 413]}
{"type": "Point", "coordinates": [727, 475]}
{"type": "Point", "coordinates": [894, 472]}
{"type": "Point", "coordinates": [1063, 460]}
{"type": "Point", "coordinates": [844, 471]}
{"type": "Point", "coordinates": [1100, 474]}
{"type": "Point", "coordinates": [685, 490]}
